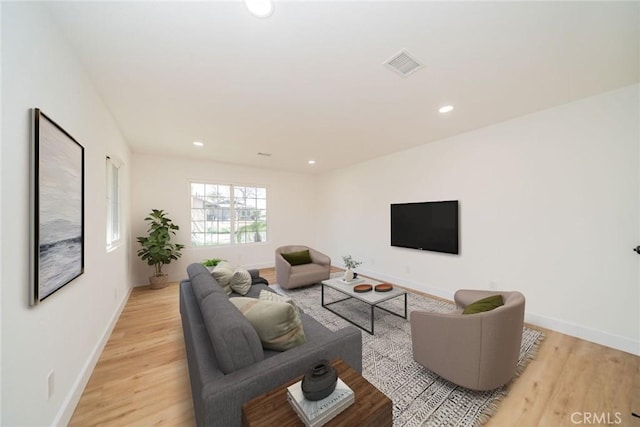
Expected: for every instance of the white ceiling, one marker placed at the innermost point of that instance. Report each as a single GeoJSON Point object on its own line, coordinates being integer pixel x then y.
{"type": "Point", "coordinates": [308, 82]}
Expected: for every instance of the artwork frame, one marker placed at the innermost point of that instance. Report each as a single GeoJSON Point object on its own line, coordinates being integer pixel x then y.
{"type": "Point", "coordinates": [57, 208]}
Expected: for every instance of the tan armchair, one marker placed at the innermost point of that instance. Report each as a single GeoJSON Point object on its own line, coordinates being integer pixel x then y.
{"type": "Point", "coordinates": [289, 276]}
{"type": "Point", "coordinates": [476, 351]}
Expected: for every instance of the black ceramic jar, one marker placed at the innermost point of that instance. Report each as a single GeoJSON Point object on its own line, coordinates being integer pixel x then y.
{"type": "Point", "coordinates": [319, 381]}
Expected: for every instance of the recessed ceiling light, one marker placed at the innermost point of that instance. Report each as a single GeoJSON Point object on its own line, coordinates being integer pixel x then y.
{"type": "Point", "coordinates": [446, 108]}
{"type": "Point", "coordinates": [260, 8]}
{"type": "Point", "coordinates": [198, 143]}
{"type": "Point", "coordinates": [312, 162]}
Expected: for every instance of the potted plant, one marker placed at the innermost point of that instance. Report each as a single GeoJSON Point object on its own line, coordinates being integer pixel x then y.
{"type": "Point", "coordinates": [211, 263]}
{"type": "Point", "coordinates": [157, 248]}
{"type": "Point", "coordinates": [351, 264]}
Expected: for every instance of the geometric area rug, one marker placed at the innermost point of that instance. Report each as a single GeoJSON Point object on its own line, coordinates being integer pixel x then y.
{"type": "Point", "coordinates": [420, 397]}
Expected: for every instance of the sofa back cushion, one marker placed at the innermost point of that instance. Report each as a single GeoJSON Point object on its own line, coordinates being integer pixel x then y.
{"type": "Point", "coordinates": [202, 282]}
{"type": "Point", "coordinates": [234, 341]}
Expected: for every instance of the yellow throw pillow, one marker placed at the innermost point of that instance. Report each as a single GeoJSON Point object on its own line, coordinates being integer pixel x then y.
{"type": "Point", "coordinates": [278, 324]}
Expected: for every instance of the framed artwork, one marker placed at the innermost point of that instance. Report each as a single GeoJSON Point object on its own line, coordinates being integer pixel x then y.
{"type": "Point", "coordinates": [57, 193]}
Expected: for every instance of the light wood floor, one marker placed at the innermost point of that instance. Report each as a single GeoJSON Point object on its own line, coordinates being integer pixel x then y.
{"type": "Point", "coordinates": [141, 378]}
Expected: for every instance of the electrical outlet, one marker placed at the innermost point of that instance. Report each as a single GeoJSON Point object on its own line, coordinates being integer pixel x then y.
{"type": "Point", "coordinates": [50, 380]}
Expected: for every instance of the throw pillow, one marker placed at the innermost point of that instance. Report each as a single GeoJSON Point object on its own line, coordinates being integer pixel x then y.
{"type": "Point", "coordinates": [298, 258]}
{"type": "Point", "coordinates": [272, 296]}
{"type": "Point", "coordinates": [278, 324]}
{"type": "Point", "coordinates": [240, 281]}
{"type": "Point", "coordinates": [223, 272]}
{"type": "Point", "coordinates": [484, 304]}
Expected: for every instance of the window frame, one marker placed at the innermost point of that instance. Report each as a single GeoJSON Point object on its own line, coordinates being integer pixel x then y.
{"type": "Point", "coordinates": [232, 214]}
{"type": "Point", "coordinates": [114, 207]}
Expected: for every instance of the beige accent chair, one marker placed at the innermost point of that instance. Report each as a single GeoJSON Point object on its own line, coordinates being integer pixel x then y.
{"type": "Point", "coordinates": [477, 351]}
{"type": "Point", "coordinates": [289, 276]}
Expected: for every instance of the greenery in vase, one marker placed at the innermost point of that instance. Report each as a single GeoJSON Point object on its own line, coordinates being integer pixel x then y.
{"type": "Point", "coordinates": [211, 262]}
{"type": "Point", "coordinates": [157, 248]}
{"type": "Point", "coordinates": [349, 262]}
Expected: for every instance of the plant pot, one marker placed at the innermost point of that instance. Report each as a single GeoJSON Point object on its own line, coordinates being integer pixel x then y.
{"type": "Point", "coordinates": [348, 276]}
{"type": "Point", "coordinates": [158, 282]}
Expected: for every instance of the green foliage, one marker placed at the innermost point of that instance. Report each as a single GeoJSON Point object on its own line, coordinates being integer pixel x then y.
{"type": "Point", "coordinates": [255, 227]}
{"type": "Point", "coordinates": [157, 248]}
{"type": "Point", "coordinates": [349, 262]}
{"type": "Point", "coordinates": [211, 262]}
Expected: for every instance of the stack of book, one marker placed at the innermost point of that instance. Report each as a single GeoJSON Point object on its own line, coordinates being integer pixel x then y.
{"type": "Point", "coordinates": [319, 412]}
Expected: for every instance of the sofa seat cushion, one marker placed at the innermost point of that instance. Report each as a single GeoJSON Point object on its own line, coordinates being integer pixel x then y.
{"type": "Point", "coordinates": [308, 271]}
{"type": "Point", "coordinates": [234, 340]}
{"type": "Point", "coordinates": [278, 324]}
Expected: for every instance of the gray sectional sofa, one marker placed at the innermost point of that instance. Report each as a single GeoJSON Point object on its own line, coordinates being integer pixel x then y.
{"type": "Point", "coordinates": [227, 364]}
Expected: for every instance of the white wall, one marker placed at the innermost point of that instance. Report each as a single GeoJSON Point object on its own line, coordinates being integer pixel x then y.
{"type": "Point", "coordinates": [2, 202]}
{"type": "Point", "coordinates": [549, 206]}
{"type": "Point", "coordinates": [164, 183]}
{"type": "Point", "coordinates": [66, 332]}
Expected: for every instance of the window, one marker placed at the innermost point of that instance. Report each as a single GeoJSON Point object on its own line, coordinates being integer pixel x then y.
{"type": "Point", "coordinates": [113, 202]}
{"type": "Point", "coordinates": [227, 214]}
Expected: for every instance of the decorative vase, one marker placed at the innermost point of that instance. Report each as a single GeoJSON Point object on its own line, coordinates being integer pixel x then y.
{"type": "Point", "coordinates": [348, 275]}
{"type": "Point", "coordinates": [319, 381]}
{"type": "Point", "coordinates": [158, 282]}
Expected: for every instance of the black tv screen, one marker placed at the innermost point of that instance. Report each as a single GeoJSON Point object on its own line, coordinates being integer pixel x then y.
{"type": "Point", "coordinates": [429, 226]}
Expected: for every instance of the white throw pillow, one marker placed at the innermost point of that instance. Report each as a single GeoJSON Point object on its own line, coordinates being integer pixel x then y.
{"type": "Point", "coordinates": [272, 296]}
{"type": "Point", "coordinates": [223, 272]}
{"type": "Point", "coordinates": [278, 324]}
{"type": "Point", "coordinates": [240, 281]}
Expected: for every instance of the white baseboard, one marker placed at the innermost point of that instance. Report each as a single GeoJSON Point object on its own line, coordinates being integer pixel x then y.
{"type": "Point", "coordinates": [589, 334]}
{"type": "Point", "coordinates": [71, 401]}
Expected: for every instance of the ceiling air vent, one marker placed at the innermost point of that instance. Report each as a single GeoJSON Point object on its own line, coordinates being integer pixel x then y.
{"type": "Point", "coordinates": [403, 63]}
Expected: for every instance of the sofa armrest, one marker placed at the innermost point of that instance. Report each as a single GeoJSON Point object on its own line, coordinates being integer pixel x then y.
{"type": "Point", "coordinates": [223, 397]}
{"type": "Point", "coordinates": [319, 257]}
{"type": "Point", "coordinates": [283, 270]}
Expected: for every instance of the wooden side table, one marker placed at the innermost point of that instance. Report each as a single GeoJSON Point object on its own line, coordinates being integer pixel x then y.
{"type": "Point", "coordinates": [371, 406]}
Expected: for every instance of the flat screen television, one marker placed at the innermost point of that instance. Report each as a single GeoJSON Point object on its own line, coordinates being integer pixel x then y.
{"type": "Point", "coordinates": [428, 226]}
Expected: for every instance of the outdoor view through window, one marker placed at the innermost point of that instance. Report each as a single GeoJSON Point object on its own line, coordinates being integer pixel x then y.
{"type": "Point", "coordinates": [227, 214]}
